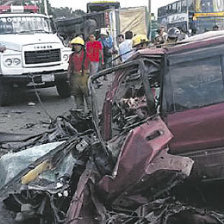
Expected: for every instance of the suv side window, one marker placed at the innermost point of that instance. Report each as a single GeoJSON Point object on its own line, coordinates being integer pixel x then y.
{"type": "Point", "coordinates": [197, 84]}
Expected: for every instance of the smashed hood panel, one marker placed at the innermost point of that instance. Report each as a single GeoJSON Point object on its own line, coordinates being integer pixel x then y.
{"type": "Point", "coordinates": [139, 149]}
{"type": "Point", "coordinates": [143, 172]}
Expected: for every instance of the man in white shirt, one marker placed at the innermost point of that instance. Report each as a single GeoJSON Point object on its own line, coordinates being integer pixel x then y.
{"type": "Point", "coordinates": [125, 48]}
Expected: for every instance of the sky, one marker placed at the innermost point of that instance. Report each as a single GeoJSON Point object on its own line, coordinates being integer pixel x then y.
{"type": "Point", "coordinates": [81, 4]}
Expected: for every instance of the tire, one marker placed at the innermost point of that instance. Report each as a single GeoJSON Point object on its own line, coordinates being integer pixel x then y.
{"type": "Point", "coordinates": [63, 89]}
{"type": "Point", "coordinates": [5, 94]}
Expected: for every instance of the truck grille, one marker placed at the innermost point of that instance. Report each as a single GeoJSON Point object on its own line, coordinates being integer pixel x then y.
{"type": "Point", "coordinates": [45, 56]}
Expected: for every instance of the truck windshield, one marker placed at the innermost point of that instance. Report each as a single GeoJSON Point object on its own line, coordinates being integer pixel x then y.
{"type": "Point", "coordinates": [26, 24]}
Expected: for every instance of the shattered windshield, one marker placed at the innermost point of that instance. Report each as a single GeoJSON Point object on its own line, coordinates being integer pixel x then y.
{"type": "Point", "coordinates": [26, 24]}
{"type": "Point", "coordinates": [134, 96]}
{"type": "Point", "coordinates": [130, 104]}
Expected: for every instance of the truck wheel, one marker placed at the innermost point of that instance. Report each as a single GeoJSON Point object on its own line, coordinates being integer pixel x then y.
{"type": "Point", "coordinates": [63, 89]}
{"type": "Point", "coordinates": [5, 94]}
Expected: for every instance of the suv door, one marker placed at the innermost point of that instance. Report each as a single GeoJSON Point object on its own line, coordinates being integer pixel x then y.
{"type": "Point", "coordinates": [194, 95]}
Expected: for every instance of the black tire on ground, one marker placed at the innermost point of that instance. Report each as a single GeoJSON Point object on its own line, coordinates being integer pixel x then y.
{"type": "Point", "coordinates": [63, 89]}
{"type": "Point", "coordinates": [5, 94]}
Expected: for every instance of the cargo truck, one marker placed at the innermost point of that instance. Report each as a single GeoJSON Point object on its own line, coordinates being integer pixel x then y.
{"type": "Point", "coordinates": [35, 56]}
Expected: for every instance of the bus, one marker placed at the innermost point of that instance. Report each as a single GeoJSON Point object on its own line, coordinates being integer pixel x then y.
{"type": "Point", "coordinates": [197, 16]}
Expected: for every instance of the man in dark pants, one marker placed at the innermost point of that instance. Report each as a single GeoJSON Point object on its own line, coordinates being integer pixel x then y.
{"type": "Point", "coordinates": [107, 43]}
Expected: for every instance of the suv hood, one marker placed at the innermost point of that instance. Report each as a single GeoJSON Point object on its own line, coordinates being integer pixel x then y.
{"type": "Point", "coordinates": [17, 41]}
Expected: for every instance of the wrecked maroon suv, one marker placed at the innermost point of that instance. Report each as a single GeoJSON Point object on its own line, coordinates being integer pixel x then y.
{"type": "Point", "coordinates": [129, 161]}
{"type": "Point", "coordinates": [184, 84]}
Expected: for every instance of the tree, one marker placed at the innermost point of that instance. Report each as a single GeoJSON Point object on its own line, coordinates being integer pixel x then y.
{"type": "Point", "coordinates": [78, 12]}
{"type": "Point", "coordinates": [65, 12]}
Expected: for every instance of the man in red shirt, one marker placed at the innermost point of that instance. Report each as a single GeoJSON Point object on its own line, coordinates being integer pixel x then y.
{"type": "Point", "coordinates": [95, 51]}
{"type": "Point", "coordinates": [78, 73]}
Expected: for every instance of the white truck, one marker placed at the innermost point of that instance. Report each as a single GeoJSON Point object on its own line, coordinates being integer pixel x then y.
{"type": "Point", "coordinates": [34, 55]}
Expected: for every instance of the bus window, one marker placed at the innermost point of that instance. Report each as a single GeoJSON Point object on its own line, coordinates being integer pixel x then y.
{"type": "Point", "coordinates": [169, 9]}
{"type": "Point", "coordinates": [174, 7]}
{"type": "Point", "coordinates": [184, 6]}
{"type": "Point", "coordinates": [178, 7]}
{"type": "Point", "coordinates": [162, 11]}
{"type": "Point", "coordinates": [218, 5]}
{"type": "Point", "coordinates": [159, 12]}
{"type": "Point", "coordinates": [190, 5]}
{"type": "Point", "coordinates": [207, 6]}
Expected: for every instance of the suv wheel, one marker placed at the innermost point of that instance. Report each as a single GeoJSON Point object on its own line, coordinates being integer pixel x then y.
{"type": "Point", "coordinates": [63, 89]}
{"type": "Point", "coordinates": [5, 94]}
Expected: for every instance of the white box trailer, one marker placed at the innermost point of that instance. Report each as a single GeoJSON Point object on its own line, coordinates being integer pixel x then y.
{"type": "Point", "coordinates": [135, 19]}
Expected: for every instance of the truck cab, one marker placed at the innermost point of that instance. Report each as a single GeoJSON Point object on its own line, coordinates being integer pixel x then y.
{"type": "Point", "coordinates": [34, 55]}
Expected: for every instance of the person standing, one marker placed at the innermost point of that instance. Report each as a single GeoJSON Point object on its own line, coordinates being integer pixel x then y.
{"type": "Point", "coordinates": [95, 51]}
{"type": "Point", "coordinates": [173, 35]}
{"type": "Point", "coordinates": [120, 38]}
{"type": "Point", "coordinates": [78, 73]}
{"type": "Point", "coordinates": [215, 28]}
{"type": "Point", "coordinates": [107, 43]}
{"type": "Point", "coordinates": [125, 48]}
{"type": "Point", "coordinates": [183, 35]}
{"type": "Point", "coordinates": [161, 36]}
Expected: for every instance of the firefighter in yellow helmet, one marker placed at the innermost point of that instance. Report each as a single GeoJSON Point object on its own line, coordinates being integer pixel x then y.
{"type": "Point", "coordinates": [140, 41]}
{"type": "Point", "coordinates": [78, 73]}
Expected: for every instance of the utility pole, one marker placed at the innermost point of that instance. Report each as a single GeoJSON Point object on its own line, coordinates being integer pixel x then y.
{"type": "Point", "coordinates": [187, 16]}
{"type": "Point", "coordinates": [150, 19]}
{"type": "Point", "coordinates": [45, 7]}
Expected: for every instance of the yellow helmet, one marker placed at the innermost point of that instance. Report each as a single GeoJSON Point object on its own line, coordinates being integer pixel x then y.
{"type": "Point", "coordinates": [77, 40]}
{"type": "Point", "coordinates": [139, 39]}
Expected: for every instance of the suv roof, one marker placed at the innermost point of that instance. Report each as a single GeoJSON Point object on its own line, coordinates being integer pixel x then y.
{"type": "Point", "coordinates": [207, 39]}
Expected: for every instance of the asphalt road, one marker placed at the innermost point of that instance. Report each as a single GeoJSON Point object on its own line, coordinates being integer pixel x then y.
{"type": "Point", "coordinates": [27, 116]}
